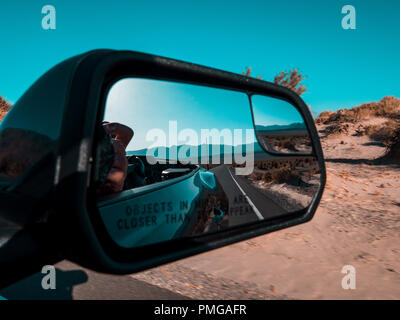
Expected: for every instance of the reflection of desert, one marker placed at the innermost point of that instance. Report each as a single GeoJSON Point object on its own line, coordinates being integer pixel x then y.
{"type": "Point", "coordinates": [286, 143]}
{"type": "Point", "coordinates": [357, 223]}
{"type": "Point", "coordinates": [290, 183]}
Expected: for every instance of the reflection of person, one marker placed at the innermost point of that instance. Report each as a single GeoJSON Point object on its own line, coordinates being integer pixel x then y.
{"type": "Point", "coordinates": [121, 136]}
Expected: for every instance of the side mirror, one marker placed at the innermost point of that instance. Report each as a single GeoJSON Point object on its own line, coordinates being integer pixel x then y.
{"type": "Point", "coordinates": [280, 128]}
{"type": "Point", "coordinates": [215, 158]}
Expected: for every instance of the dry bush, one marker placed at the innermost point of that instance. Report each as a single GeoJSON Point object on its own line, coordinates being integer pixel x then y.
{"type": "Point", "coordinates": [292, 80]}
{"type": "Point", "coordinates": [383, 132]}
{"type": "Point", "coordinates": [247, 73]}
{"type": "Point", "coordinates": [387, 107]}
{"type": "Point", "coordinates": [323, 117]}
{"type": "Point", "coordinates": [337, 128]}
{"type": "Point", "coordinates": [393, 145]}
{"type": "Point", "coordinates": [4, 107]}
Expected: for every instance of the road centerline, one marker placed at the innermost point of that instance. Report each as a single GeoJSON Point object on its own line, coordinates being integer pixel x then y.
{"type": "Point", "coordinates": [256, 211]}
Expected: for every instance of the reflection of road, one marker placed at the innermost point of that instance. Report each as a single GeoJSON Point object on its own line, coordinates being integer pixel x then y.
{"type": "Point", "coordinates": [246, 203]}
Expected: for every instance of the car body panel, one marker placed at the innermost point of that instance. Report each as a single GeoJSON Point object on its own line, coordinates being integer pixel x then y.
{"type": "Point", "coordinates": [149, 214]}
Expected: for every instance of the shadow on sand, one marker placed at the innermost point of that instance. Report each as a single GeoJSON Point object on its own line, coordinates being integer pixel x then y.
{"type": "Point", "coordinates": [31, 287]}
{"type": "Point", "coordinates": [379, 161]}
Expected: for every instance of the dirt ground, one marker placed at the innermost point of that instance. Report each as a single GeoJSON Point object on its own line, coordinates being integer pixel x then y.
{"type": "Point", "coordinates": [357, 223]}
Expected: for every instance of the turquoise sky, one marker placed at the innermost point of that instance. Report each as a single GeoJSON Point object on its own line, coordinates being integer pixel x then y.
{"type": "Point", "coordinates": [344, 67]}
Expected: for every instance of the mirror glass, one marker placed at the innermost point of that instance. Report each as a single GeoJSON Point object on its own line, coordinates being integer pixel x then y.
{"type": "Point", "coordinates": [178, 160]}
{"type": "Point", "coordinates": [279, 126]}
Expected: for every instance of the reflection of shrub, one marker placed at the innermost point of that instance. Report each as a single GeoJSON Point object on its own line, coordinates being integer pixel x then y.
{"type": "Point", "coordinates": [279, 176]}
{"type": "Point", "coordinates": [288, 144]}
{"type": "Point", "coordinates": [290, 171]}
{"type": "Point", "coordinates": [256, 175]}
{"type": "Point", "coordinates": [293, 143]}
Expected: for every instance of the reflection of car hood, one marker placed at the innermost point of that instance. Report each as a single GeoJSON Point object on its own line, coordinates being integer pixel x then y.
{"type": "Point", "coordinates": [138, 218]}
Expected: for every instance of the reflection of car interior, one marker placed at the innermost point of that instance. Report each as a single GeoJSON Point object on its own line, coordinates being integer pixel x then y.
{"type": "Point", "coordinates": [141, 173]}
{"type": "Point", "coordinates": [136, 173]}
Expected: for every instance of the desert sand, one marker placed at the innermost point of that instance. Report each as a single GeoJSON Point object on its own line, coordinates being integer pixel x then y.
{"type": "Point", "coordinates": [357, 223]}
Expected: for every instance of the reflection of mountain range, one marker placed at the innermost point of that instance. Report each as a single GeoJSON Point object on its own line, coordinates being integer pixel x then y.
{"type": "Point", "coordinates": [277, 127]}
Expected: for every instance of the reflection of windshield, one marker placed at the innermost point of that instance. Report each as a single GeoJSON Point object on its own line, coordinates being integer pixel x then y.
{"type": "Point", "coordinates": [165, 114]}
{"type": "Point", "coordinates": [19, 150]}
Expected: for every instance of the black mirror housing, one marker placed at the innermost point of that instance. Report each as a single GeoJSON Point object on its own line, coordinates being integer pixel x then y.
{"type": "Point", "coordinates": [79, 233]}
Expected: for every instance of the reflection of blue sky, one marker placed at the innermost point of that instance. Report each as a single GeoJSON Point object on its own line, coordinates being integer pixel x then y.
{"type": "Point", "coordinates": [144, 104]}
{"type": "Point", "coordinates": [344, 67]}
{"type": "Point", "coordinates": [269, 111]}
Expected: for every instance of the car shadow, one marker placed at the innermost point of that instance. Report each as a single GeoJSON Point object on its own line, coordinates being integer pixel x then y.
{"type": "Point", "coordinates": [31, 287]}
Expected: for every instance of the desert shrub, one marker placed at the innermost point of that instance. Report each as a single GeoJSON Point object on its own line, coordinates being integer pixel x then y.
{"type": "Point", "coordinates": [323, 117]}
{"type": "Point", "coordinates": [247, 73]}
{"type": "Point", "coordinates": [382, 132]}
{"type": "Point", "coordinates": [4, 107]}
{"type": "Point", "coordinates": [386, 107]}
{"type": "Point", "coordinates": [379, 132]}
{"type": "Point", "coordinates": [290, 79]}
{"type": "Point", "coordinates": [337, 128]}
{"type": "Point", "coordinates": [393, 145]}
